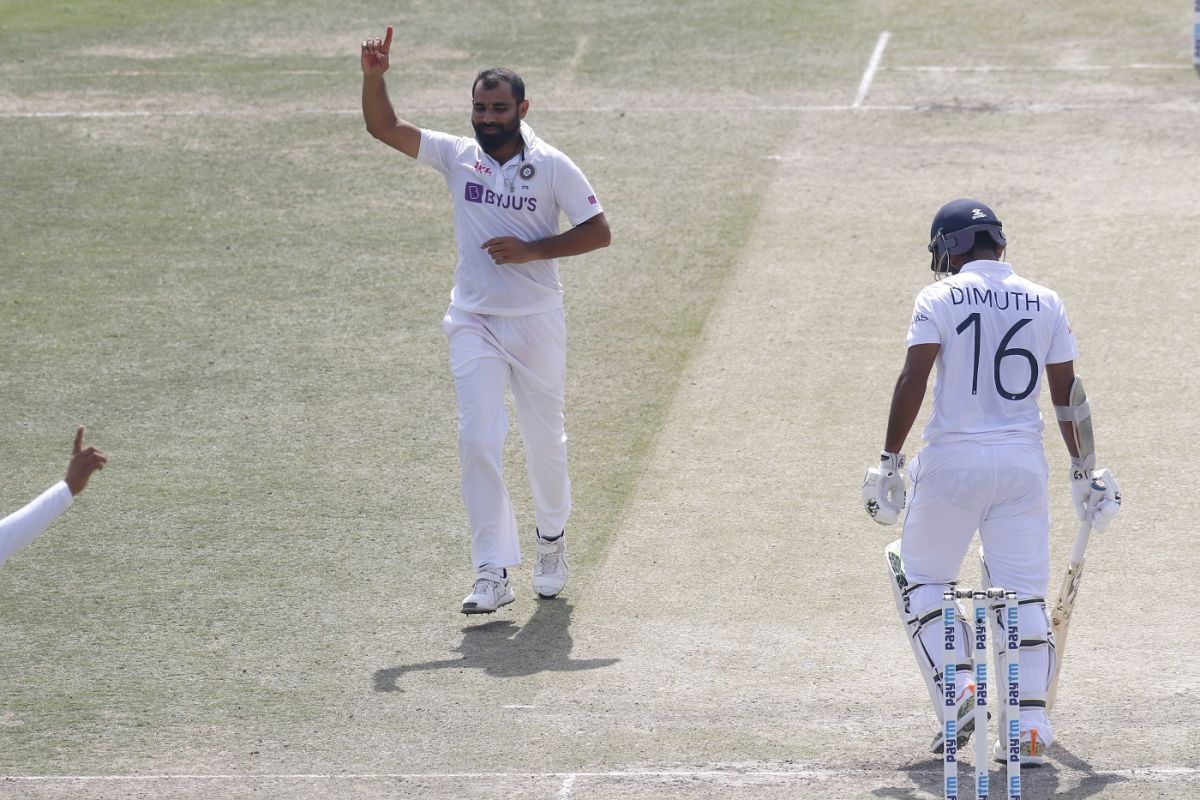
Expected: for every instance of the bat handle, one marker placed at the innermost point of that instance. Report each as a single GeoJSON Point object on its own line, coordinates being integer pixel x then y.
{"type": "Point", "coordinates": [1081, 541]}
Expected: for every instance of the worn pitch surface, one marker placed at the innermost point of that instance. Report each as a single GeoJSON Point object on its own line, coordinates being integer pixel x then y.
{"type": "Point", "coordinates": [211, 265]}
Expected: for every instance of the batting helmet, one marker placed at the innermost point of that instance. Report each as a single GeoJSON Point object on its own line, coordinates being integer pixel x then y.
{"type": "Point", "coordinates": [954, 228]}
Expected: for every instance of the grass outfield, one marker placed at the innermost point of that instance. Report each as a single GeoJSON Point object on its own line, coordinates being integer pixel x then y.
{"type": "Point", "coordinates": [210, 263]}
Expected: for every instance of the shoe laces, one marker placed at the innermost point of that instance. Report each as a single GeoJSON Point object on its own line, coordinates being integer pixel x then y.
{"type": "Point", "coordinates": [483, 584]}
{"type": "Point", "coordinates": [548, 562]}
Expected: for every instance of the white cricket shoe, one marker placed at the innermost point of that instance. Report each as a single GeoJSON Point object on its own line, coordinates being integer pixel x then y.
{"type": "Point", "coordinates": [491, 591]}
{"type": "Point", "coordinates": [1033, 752]}
{"type": "Point", "coordinates": [965, 724]}
{"type": "Point", "coordinates": [550, 567]}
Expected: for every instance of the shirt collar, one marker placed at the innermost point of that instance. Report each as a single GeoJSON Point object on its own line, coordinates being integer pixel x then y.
{"type": "Point", "coordinates": [984, 264]}
{"type": "Point", "coordinates": [528, 136]}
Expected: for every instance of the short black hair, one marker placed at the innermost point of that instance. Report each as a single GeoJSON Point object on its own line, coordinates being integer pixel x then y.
{"type": "Point", "coordinates": [492, 78]}
{"type": "Point", "coordinates": [984, 244]}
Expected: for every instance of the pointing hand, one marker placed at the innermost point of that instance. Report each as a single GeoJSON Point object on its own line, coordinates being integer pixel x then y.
{"type": "Point", "coordinates": [84, 461]}
{"type": "Point", "coordinates": [375, 54]}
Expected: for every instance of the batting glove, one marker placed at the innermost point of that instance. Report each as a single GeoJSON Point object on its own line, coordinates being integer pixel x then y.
{"type": "Point", "coordinates": [1104, 501]}
{"type": "Point", "coordinates": [1081, 484]}
{"type": "Point", "coordinates": [883, 491]}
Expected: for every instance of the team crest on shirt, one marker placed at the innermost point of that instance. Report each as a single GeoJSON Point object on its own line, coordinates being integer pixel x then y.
{"type": "Point", "coordinates": [526, 171]}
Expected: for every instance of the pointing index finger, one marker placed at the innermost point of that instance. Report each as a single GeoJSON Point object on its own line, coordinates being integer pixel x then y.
{"type": "Point", "coordinates": [387, 40]}
{"type": "Point", "coordinates": [78, 439]}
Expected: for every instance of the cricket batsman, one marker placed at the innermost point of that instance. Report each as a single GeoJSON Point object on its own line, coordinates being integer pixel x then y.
{"type": "Point", "coordinates": [992, 336]}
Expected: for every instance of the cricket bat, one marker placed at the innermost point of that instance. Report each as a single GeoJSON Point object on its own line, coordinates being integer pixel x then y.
{"type": "Point", "coordinates": [1064, 606]}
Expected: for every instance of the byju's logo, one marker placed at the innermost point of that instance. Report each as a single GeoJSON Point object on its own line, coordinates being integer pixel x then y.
{"type": "Point", "coordinates": [475, 193]}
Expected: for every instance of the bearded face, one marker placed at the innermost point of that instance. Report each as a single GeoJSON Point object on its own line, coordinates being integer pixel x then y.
{"type": "Point", "coordinates": [495, 116]}
{"type": "Point", "coordinates": [494, 134]}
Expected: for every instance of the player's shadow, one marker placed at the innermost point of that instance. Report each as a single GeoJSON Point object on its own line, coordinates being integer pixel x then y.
{"type": "Point", "coordinates": [1043, 781]}
{"type": "Point", "coordinates": [503, 649]}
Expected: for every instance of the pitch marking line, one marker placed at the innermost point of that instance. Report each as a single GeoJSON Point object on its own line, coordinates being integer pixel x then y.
{"type": "Point", "coordinates": [584, 41]}
{"type": "Point", "coordinates": [864, 85]}
{"type": "Point", "coordinates": [1064, 68]}
{"type": "Point", "coordinates": [1013, 108]}
{"type": "Point", "coordinates": [569, 778]}
{"type": "Point", "coordinates": [581, 47]}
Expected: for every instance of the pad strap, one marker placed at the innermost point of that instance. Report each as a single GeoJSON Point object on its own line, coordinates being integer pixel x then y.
{"type": "Point", "coordinates": [1075, 414]}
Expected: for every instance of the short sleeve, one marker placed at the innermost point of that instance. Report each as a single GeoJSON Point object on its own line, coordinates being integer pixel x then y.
{"type": "Point", "coordinates": [1062, 341]}
{"type": "Point", "coordinates": [573, 194]}
{"type": "Point", "coordinates": [923, 328]}
{"type": "Point", "coordinates": [438, 150]}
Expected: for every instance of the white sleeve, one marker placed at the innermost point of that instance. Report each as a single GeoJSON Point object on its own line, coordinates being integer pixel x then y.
{"type": "Point", "coordinates": [1062, 342]}
{"type": "Point", "coordinates": [22, 527]}
{"type": "Point", "coordinates": [924, 327]}
{"type": "Point", "coordinates": [573, 194]}
{"type": "Point", "coordinates": [438, 150]}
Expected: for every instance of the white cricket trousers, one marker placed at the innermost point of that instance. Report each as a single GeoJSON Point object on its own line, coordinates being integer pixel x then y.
{"type": "Point", "coordinates": [1001, 491]}
{"type": "Point", "coordinates": [489, 354]}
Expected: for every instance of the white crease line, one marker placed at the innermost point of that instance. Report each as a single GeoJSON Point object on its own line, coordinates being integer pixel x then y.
{"type": "Point", "coordinates": [872, 67]}
{"type": "Point", "coordinates": [577, 57]}
{"type": "Point", "coordinates": [176, 73]}
{"type": "Point", "coordinates": [568, 783]}
{"type": "Point", "coordinates": [1185, 106]}
{"type": "Point", "coordinates": [583, 42]}
{"type": "Point", "coordinates": [1045, 68]}
{"type": "Point", "coordinates": [568, 777]}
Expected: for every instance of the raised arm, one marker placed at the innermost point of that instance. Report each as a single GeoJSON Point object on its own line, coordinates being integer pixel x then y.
{"type": "Point", "coordinates": [381, 119]}
{"type": "Point", "coordinates": [21, 527]}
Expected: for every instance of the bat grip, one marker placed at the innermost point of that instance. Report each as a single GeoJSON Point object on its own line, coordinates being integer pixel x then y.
{"type": "Point", "coordinates": [1081, 542]}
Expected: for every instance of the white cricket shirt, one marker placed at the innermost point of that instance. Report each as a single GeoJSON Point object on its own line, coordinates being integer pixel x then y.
{"type": "Point", "coordinates": [23, 526]}
{"type": "Point", "coordinates": [520, 198]}
{"type": "Point", "coordinates": [997, 332]}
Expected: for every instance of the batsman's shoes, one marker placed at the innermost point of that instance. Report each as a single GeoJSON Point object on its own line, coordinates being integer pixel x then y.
{"type": "Point", "coordinates": [550, 567]}
{"type": "Point", "coordinates": [964, 724]}
{"type": "Point", "coordinates": [1033, 753]}
{"type": "Point", "coordinates": [491, 591]}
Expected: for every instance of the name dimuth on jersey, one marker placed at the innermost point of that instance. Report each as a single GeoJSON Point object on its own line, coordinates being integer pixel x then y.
{"type": "Point", "coordinates": [974, 296]}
